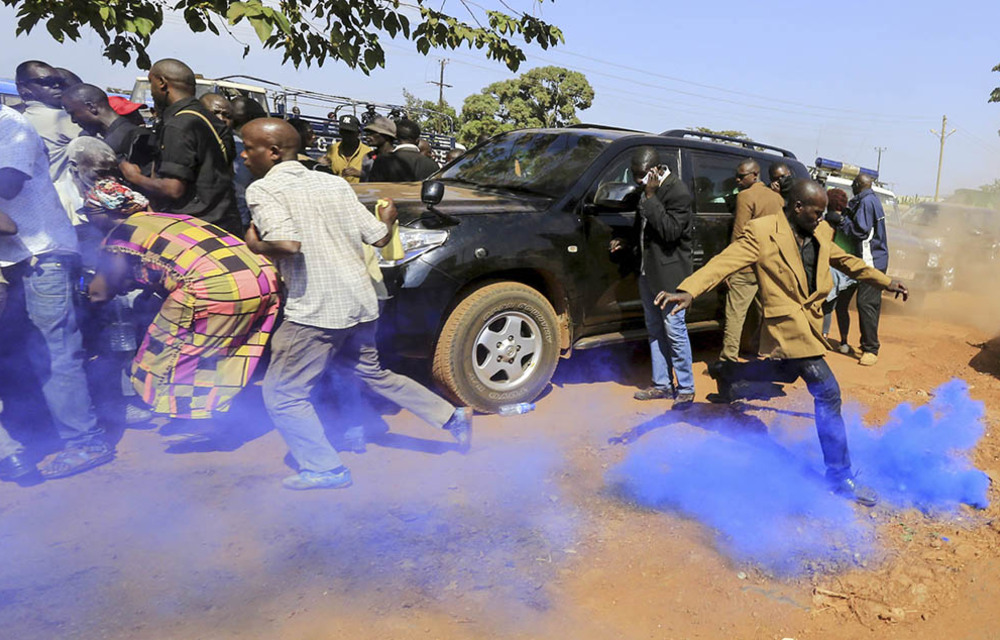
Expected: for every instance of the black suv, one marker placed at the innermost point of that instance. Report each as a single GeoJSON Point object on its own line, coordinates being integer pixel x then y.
{"type": "Point", "coordinates": [509, 267]}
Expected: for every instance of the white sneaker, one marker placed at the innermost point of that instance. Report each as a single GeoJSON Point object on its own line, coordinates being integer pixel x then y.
{"type": "Point", "coordinates": [844, 348]}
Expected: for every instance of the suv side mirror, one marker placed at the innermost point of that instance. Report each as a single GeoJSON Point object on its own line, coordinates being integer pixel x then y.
{"type": "Point", "coordinates": [616, 196]}
{"type": "Point", "coordinates": [431, 192]}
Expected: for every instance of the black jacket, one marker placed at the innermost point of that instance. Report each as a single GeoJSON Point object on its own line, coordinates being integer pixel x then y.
{"type": "Point", "coordinates": [666, 238]}
{"type": "Point", "coordinates": [402, 165]}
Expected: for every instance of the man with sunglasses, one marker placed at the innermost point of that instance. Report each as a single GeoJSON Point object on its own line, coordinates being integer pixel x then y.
{"type": "Point", "coordinates": [755, 200]}
{"type": "Point", "coordinates": [41, 87]}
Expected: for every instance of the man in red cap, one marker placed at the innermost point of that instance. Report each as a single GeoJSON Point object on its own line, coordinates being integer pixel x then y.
{"type": "Point", "coordinates": [91, 109]}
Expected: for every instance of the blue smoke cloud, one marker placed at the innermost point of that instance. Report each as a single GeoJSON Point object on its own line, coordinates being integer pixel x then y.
{"type": "Point", "coordinates": [766, 499]}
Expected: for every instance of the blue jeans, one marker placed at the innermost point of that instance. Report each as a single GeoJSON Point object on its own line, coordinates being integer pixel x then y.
{"type": "Point", "coordinates": [41, 302]}
{"type": "Point", "coordinates": [669, 346]}
{"type": "Point", "coordinates": [822, 386]}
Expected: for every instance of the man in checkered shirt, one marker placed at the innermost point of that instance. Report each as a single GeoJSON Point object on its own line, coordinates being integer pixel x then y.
{"type": "Point", "coordinates": [313, 226]}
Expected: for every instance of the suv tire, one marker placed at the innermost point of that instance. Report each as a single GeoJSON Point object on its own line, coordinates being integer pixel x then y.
{"type": "Point", "coordinates": [499, 346]}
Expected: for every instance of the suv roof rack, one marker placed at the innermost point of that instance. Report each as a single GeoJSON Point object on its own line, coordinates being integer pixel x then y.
{"type": "Point", "coordinates": [747, 144]}
{"type": "Point", "coordinates": [606, 127]}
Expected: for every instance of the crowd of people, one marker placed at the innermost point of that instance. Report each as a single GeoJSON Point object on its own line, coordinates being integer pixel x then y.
{"type": "Point", "coordinates": [244, 245]}
{"type": "Point", "coordinates": [222, 222]}
{"type": "Point", "coordinates": [782, 257]}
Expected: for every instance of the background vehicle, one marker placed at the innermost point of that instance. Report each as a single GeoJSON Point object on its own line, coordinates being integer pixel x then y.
{"type": "Point", "coordinates": [509, 267]}
{"type": "Point", "coordinates": [912, 258]}
{"type": "Point", "coordinates": [967, 239]}
{"type": "Point", "coordinates": [320, 110]}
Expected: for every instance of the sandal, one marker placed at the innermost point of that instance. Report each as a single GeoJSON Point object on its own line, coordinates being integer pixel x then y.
{"type": "Point", "coordinates": [77, 460]}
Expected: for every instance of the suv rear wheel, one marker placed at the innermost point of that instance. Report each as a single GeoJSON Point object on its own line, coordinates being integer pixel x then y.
{"type": "Point", "coordinates": [499, 346]}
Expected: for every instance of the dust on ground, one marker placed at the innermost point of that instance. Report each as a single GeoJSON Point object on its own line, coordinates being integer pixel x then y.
{"type": "Point", "coordinates": [521, 538]}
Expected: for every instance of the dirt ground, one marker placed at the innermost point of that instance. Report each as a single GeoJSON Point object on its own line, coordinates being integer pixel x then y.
{"type": "Point", "coordinates": [521, 538]}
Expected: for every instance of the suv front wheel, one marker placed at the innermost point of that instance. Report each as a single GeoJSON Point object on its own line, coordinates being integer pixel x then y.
{"type": "Point", "coordinates": [499, 346]}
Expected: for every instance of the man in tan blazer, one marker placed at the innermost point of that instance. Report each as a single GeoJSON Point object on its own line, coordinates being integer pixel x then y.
{"type": "Point", "coordinates": [755, 200]}
{"type": "Point", "coordinates": [791, 257]}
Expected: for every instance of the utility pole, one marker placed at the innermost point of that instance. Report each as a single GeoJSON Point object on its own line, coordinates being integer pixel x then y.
{"type": "Point", "coordinates": [944, 133]}
{"type": "Point", "coordinates": [878, 167]}
{"type": "Point", "coordinates": [440, 84]}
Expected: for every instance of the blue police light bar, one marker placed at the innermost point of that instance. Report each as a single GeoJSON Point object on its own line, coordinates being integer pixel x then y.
{"type": "Point", "coordinates": [844, 169]}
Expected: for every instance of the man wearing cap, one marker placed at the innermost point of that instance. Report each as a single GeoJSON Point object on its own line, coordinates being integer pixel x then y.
{"type": "Point", "coordinates": [90, 108]}
{"type": "Point", "coordinates": [381, 134]}
{"type": "Point", "coordinates": [346, 157]}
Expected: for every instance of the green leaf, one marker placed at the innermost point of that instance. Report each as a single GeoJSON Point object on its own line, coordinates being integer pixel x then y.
{"type": "Point", "coordinates": [144, 26]}
{"type": "Point", "coordinates": [236, 11]}
{"type": "Point", "coordinates": [262, 28]}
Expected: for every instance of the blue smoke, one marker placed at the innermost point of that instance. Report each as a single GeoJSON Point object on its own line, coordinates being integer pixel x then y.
{"type": "Point", "coordinates": [768, 503]}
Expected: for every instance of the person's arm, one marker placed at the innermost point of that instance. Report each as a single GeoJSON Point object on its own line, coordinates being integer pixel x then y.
{"type": "Point", "coordinates": [376, 232]}
{"type": "Point", "coordinates": [7, 226]}
{"type": "Point", "coordinates": [273, 232]}
{"type": "Point", "coordinates": [856, 268]}
{"type": "Point", "coordinates": [671, 217]}
{"type": "Point", "coordinates": [177, 167]}
{"type": "Point", "coordinates": [737, 256]}
{"type": "Point", "coordinates": [160, 188]}
{"type": "Point", "coordinates": [271, 248]}
{"type": "Point", "coordinates": [742, 215]}
{"type": "Point", "coordinates": [860, 225]}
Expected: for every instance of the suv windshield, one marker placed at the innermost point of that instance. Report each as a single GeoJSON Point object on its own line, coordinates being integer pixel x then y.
{"type": "Point", "coordinates": [542, 163]}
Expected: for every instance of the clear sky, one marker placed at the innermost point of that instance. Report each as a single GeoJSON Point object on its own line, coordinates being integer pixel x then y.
{"type": "Point", "coordinates": [828, 79]}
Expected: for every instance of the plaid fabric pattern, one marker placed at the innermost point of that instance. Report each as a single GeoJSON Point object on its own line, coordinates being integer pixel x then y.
{"type": "Point", "coordinates": [211, 331]}
{"type": "Point", "coordinates": [327, 283]}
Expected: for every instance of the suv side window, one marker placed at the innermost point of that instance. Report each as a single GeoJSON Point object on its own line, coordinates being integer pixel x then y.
{"type": "Point", "coordinates": [620, 169]}
{"type": "Point", "coordinates": [714, 181]}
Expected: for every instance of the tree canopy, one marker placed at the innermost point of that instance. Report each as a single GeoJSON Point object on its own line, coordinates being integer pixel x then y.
{"type": "Point", "coordinates": [305, 31]}
{"type": "Point", "coordinates": [730, 133]}
{"type": "Point", "coordinates": [542, 97]}
{"type": "Point", "coordinates": [431, 116]}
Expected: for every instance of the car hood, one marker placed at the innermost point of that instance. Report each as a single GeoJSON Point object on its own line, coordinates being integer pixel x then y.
{"type": "Point", "coordinates": [458, 200]}
{"type": "Point", "coordinates": [904, 237]}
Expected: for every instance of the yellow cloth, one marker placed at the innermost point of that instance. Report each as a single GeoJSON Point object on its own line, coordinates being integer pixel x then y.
{"type": "Point", "coordinates": [793, 317]}
{"type": "Point", "coordinates": [338, 162]}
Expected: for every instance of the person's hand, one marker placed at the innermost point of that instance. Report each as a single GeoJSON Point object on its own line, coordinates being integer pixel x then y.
{"type": "Point", "coordinates": [350, 172]}
{"type": "Point", "coordinates": [653, 179]}
{"type": "Point", "coordinates": [386, 210]}
{"type": "Point", "coordinates": [617, 244]}
{"type": "Point", "coordinates": [252, 238]}
{"type": "Point", "coordinates": [899, 289]}
{"type": "Point", "coordinates": [130, 171]}
{"type": "Point", "coordinates": [834, 218]}
{"type": "Point", "coordinates": [681, 299]}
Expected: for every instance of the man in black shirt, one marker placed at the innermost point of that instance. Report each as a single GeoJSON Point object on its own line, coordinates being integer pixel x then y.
{"type": "Point", "coordinates": [411, 164]}
{"type": "Point", "coordinates": [193, 174]}
{"type": "Point", "coordinates": [89, 108]}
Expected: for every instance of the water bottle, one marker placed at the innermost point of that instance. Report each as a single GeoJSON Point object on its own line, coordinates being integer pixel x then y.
{"type": "Point", "coordinates": [516, 409]}
{"type": "Point", "coordinates": [121, 334]}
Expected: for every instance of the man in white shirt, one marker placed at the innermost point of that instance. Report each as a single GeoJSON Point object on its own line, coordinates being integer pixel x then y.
{"type": "Point", "coordinates": [313, 226]}
{"type": "Point", "coordinates": [41, 87]}
{"type": "Point", "coordinates": [41, 262]}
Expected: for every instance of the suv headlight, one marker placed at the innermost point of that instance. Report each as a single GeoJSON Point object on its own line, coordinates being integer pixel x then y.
{"type": "Point", "coordinates": [933, 260]}
{"type": "Point", "coordinates": [416, 242]}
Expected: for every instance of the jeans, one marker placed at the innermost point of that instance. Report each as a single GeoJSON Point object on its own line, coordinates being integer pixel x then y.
{"type": "Point", "coordinates": [300, 354]}
{"type": "Point", "coordinates": [869, 311]}
{"type": "Point", "coordinates": [742, 293]}
{"type": "Point", "coordinates": [826, 399]}
{"type": "Point", "coordinates": [669, 346]}
{"type": "Point", "coordinates": [841, 306]}
{"type": "Point", "coordinates": [41, 302]}
{"type": "Point", "coordinates": [8, 446]}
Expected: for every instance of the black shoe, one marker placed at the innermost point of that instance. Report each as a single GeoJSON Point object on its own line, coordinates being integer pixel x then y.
{"type": "Point", "coordinates": [653, 393]}
{"type": "Point", "coordinates": [683, 401]}
{"type": "Point", "coordinates": [15, 467]}
{"type": "Point", "coordinates": [850, 489]}
{"type": "Point", "coordinates": [460, 427]}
